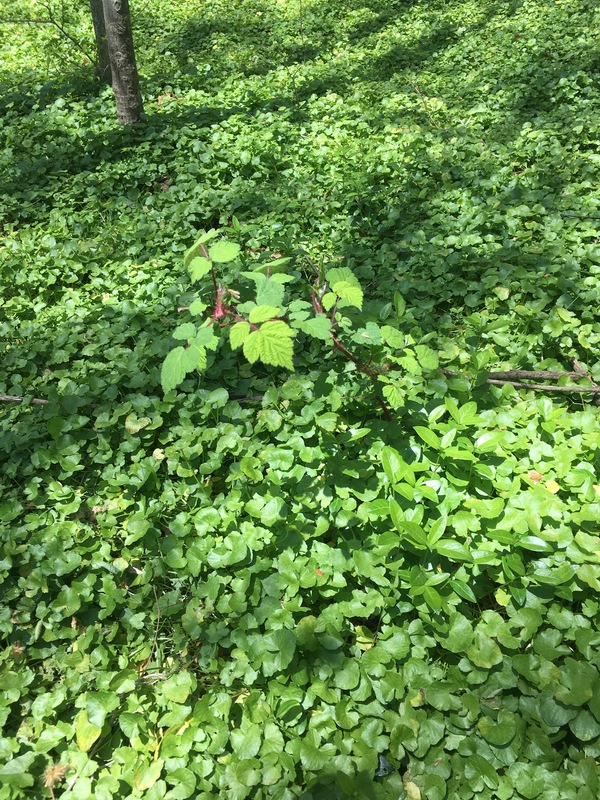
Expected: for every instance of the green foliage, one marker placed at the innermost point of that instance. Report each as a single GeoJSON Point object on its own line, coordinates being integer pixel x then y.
{"type": "Point", "coordinates": [247, 582]}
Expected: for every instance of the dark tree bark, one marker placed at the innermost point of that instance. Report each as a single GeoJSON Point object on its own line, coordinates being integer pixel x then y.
{"type": "Point", "coordinates": [102, 58]}
{"type": "Point", "coordinates": [125, 81]}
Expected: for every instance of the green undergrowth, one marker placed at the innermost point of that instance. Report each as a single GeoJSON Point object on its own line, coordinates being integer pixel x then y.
{"type": "Point", "coordinates": [255, 585]}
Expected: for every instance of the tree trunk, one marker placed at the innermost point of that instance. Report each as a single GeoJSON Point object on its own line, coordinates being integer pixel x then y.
{"type": "Point", "coordinates": [102, 57]}
{"type": "Point", "coordinates": [125, 81]}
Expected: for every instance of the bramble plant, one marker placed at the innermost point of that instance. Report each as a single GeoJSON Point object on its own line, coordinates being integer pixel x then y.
{"type": "Point", "coordinates": [271, 304]}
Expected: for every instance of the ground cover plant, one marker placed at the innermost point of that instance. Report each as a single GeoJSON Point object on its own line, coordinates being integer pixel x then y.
{"type": "Point", "coordinates": [289, 567]}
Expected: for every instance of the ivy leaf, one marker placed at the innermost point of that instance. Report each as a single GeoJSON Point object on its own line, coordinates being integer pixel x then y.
{"type": "Point", "coordinates": [238, 334]}
{"type": "Point", "coordinates": [271, 344]}
{"type": "Point", "coordinates": [99, 704]}
{"type": "Point", "coordinates": [222, 252]}
{"type": "Point", "coordinates": [498, 732]}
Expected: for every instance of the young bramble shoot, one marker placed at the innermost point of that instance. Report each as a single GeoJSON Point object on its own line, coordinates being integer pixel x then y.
{"type": "Point", "coordinates": [266, 327]}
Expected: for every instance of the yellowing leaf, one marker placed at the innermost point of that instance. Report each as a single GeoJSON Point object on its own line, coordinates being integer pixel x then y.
{"type": "Point", "coordinates": [412, 791]}
{"type": "Point", "coordinates": [146, 775]}
{"type": "Point", "coordinates": [86, 733]}
{"type": "Point", "coordinates": [552, 486]}
{"type": "Point", "coordinates": [134, 424]}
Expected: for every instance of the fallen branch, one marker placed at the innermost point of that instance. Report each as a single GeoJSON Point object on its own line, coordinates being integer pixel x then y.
{"type": "Point", "coordinates": [544, 387]}
{"type": "Point", "coordinates": [534, 374]}
{"type": "Point", "coordinates": [512, 377]}
{"type": "Point", "coordinates": [9, 398]}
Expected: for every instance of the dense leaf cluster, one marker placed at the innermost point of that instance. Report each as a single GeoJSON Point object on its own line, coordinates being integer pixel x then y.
{"type": "Point", "coordinates": [254, 584]}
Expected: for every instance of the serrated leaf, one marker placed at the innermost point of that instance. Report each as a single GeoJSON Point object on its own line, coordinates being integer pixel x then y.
{"type": "Point", "coordinates": [238, 334]}
{"type": "Point", "coordinates": [263, 313]}
{"type": "Point", "coordinates": [339, 274]}
{"type": "Point", "coordinates": [174, 369]}
{"type": "Point", "coordinates": [196, 250]}
{"type": "Point", "coordinates": [197, 308]}
{"type": "Point", "coordinates": [199, 267]}
{"type": "Point", "coordinates": [350, 294]}
{"type": "Point", "coordinates": [269, 292]}
{"type": "Point", "coordinates": [393, 395]}
{"type": "Point", "coordinates": [393, 337]}
{"type": "Point", "coordinates": [222, 252]}
{"type": "Point", "coordinates": [178, 363]}
{"type": "Point", "coordinates": [328, 301]}
{"type": "Point", "coordinates": [271, 344]}
{"type": "Point", "coordinates": [185, 331]}
{"type": "Point", "coordinates": [427, 357]}
{"type": "Point", "coordinates": [204, 337]}
{"type": "Point", "coordinates": [319, 326]}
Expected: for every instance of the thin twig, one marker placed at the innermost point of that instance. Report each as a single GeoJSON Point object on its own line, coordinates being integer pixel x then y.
{"type": "Point", "coordinates": [50, 21]}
